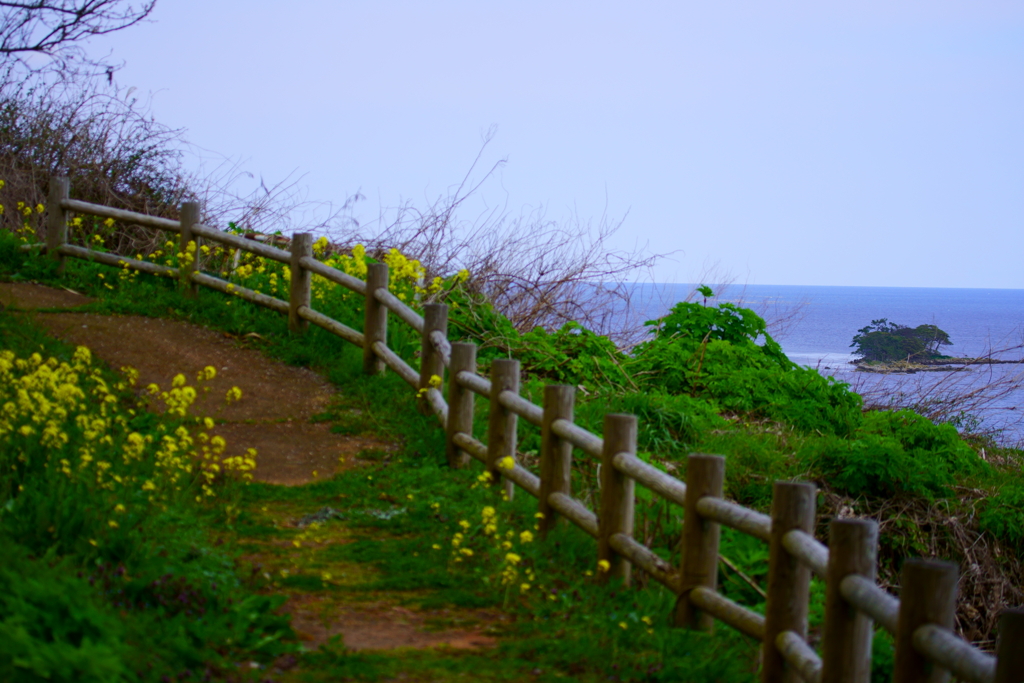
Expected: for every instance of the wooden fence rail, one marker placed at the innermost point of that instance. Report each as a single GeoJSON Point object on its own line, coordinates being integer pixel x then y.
{"type": "Point", "coordinates": [927, 649]}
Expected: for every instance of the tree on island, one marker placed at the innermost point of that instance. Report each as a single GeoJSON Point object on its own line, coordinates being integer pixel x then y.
{"type": "Point", "coordinates": [885, 341]}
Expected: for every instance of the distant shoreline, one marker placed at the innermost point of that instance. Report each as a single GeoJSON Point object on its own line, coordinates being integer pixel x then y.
{"type": "Point", "coordinates": [903, 367]}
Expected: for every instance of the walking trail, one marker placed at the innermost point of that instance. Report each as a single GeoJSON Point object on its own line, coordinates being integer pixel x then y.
{"type": "Point", "coordinates": [275, 416]}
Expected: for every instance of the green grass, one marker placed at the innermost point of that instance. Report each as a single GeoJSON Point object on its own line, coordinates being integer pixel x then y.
{"type": "Point", "coordinates": [583, 622]}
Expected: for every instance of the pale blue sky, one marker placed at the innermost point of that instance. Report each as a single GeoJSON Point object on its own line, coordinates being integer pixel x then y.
{"type": "Point", "coordinates": [791, 143]}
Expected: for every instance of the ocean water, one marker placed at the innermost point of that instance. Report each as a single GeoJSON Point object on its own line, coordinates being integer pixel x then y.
{"type": "Point", "coordinates": [815, 326]}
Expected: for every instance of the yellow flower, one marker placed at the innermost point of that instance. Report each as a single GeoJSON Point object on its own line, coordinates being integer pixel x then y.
{"type": "Point", "coordinates": [178, 381]}
{"type": "Point", "coordinates": [40, 208]}
{"type": "Point", "coordinates": [234, 394]}
{"type": "Point", "coordinates": [109, 222]}
{"type": "Point", "coordinates": [513, 559]}
{"type": "Point", "coordinates": [507, 463]}
{"type": "Point", "coordinates": [647, 620]}
{"type": "Point", "coordinates": [524, 587]}
{"type": "Point", "coordinates": [603, 566]}
{"type": "Point", "coordinates": [623, 625]}
{"type": "Point", "coordinates": [525, 537]}
{"type": "Point", "coordinates": [113, 524]}
{"type": "Point", "coordinates": [119, 508]}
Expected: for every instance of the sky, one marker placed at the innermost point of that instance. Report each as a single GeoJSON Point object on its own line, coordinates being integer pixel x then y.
{"type": "Point", "coordinates": [877, 143]}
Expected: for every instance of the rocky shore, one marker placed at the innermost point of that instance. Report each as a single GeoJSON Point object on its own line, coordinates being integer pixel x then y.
{"type": "Point", "coordinates": [902, 367]}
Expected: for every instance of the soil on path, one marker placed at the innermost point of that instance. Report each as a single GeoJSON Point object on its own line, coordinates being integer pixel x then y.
{"type": "Point", "coordinates": [278, 401]}
{"type": "Point", "coordinates": [274, 417]}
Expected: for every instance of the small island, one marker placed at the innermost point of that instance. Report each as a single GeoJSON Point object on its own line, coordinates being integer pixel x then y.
{"type": "Point", "coordinates": [887, 347]}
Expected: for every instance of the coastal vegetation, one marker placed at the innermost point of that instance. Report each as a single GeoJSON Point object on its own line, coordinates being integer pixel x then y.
{"type": "Point", "coordinates": [127, 528]}
{"type": "Point", "coordinates": [885, 341]}
{"type": "Point", "coordinates": [709, 379]}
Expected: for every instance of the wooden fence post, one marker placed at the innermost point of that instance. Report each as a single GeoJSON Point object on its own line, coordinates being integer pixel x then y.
{"type": "Point", "coordinates": [1010, 648]}
{"type": "Point", "coordinates": [789, 580]}
{"type": "Point", "coordinates": [57, 220]}
{"type": "Point", "coordinates": [375, 318]}
{"type": "Point", "coordinates": [705, 476]}
{"type": "Point", "coordinates": [299, 288]}
{"type": "Point", "coordinates": [617, 495]}
{"type": "Point", "coordinates": [555, 452]}
{"type": "Point", "coordinates": [846, 640]}
{"type": "Point", "coordinates": [435, 318]}
{"type": "Point", "coordinates": [460, 403]}
{"type": "Point", "coordinates": [927, 596]}
{"type": "Point", "coordinates": [502, 423]}
{"type": "Point", "coordinates": [188, 249]}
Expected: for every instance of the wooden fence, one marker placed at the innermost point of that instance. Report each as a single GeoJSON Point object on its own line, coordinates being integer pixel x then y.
{"type": "Point", "coordinates": [927, 649]}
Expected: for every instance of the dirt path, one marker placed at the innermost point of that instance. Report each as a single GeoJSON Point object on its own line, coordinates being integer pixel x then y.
{"type": "Point", "coordinates": [275, 417]}
{"type": "Point", "coordinates": [278, 401]}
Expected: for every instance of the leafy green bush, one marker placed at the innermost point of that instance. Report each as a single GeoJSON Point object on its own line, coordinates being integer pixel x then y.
{"type": "Point", "coordinates": [1003, 514]}
{"type": "Point", "coordinates": [51, 627]}
{"type": "Point", "coordinates": [711, 352]}
{"type": "Point", "coordinates": [894, 453]}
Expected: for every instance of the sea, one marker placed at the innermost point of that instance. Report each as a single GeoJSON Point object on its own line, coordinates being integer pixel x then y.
{"type": "Point", "coordinates": [816, 326]}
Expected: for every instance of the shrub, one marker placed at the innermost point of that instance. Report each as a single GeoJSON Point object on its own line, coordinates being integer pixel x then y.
{"type": "Point", "coordinates": [1002, 514]}
{"type": "Point", "coordinates": [894, 453]}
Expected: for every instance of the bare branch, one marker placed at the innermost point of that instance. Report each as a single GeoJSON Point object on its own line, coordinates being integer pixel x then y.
{"type": "Point", "coordinates": [55, 29]}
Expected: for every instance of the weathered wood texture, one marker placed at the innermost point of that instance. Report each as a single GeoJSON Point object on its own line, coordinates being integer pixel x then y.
{"type": "Point", "coordinates": [238, 242]}
{"type": "Point", "coordinates": [241, 292]}
{"type": "Point", "coordinates": [1010, 648]}
{"type": "Point", "coordinates": [299, 288]}
{"type": "Point", "coordinates": [799, 656]}
{"type": "Point", "coordinates": [927, 596]}
{"type": "Point", "coordinates": [705, 476]}
{"type": "Point", "coordinates": [574, 511]}
{"type": "Point", "coordinates": [502, 422]}
{"type": "Point", "coordinates": [555, 452]}
{"type": "Point", "coordinates": [789, 579]}
{"type": "Point", "coordinates": [666, 486]}
{"type": "Point", "coordinates": [435, 319]}
{"type": "Point", "coordinates": [399, 308]}
{"type": "Point", "coordinates": [846, 640]}
{"type": "Point", "coordinates": [711, 604]}
{"type": "Point", "coordinates": [736, 517]}
{"type": "Point", "coordinates": [617, 495]}
{"type": "Point", "coordinates": [88, 209]}
{"type": "Point", "coordinates": [118, 261]}
{"type": "Point", "coordinates": [460, 403]}
{"type": "Point", "coordinates": [375, 318]}
{"type": "Point", "coordinates": [396, 363]}
{"type": "Point", "coordinates": [331, 325]}
{"type": "Point", "coordinates": [333, 274]}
